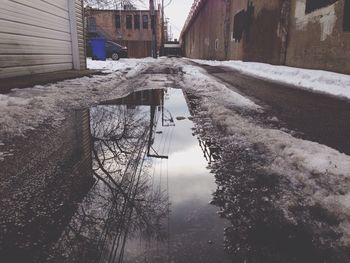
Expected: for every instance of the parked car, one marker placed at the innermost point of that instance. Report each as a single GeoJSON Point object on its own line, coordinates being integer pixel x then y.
{"type": "Point", "coordinates": [113, 50]}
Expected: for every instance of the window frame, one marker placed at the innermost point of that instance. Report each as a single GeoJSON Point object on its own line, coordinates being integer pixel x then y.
{"type": "Point", "coordinates": [118, 21]}
{"type": "Point", "coordinates": [137, 22]}
{"type": "Point", "coordinates": [128, 21]}
{"type": "Point", "coordinates": [145, 24]}
{"type": "Point", "coordinates": [91, 24]}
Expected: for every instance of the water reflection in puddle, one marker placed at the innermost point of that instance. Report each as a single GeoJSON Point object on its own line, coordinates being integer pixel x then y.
{"type": "Point", "coordinates": [150, 202]}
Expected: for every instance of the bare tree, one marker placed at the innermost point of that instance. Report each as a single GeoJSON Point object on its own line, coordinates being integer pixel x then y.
{"type": "Point", "coordinates": [123, 202]}
{"type": "Point", "coordinates": [114, 4]}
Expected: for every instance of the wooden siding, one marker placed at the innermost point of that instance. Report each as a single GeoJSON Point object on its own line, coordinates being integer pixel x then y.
{"type": "Point", "coordinates": [35, 36]}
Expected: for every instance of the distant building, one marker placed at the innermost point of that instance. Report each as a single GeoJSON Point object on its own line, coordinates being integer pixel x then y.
{"type": "Point", "coordinates": [41, 36]}
{"type": "Point", "coordinates": [128, 27]}
{"type": "Point", "coordinates": [302, 33]}
{"type": "Point", "coordinates": [172, 49]}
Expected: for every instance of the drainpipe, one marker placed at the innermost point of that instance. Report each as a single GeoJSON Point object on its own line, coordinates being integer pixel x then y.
{"type": "Point", "coordinates": [227, 33]}
{"type": "Point", "coordinates": [284, 30]}
{"type": "Point", "coordinates": [162, 33]}
{"type": "Point", "coordinates": [153, 25]}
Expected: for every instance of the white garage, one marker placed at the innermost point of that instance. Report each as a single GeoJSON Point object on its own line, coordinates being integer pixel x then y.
{"type": "Point", "coordinates": [38, 36]}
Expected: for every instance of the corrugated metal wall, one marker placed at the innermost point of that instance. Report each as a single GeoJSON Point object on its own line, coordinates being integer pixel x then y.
{"type": "Point", "coordinates": [35, 36]}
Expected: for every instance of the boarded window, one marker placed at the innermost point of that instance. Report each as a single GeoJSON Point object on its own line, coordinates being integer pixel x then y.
{"type": "Point", "coordinates": [312, 5]}
{"type": "Point", "coordinates": [239, 24]}
{"type": "Point", "coordinates": [145, 21]}
{"type": "Point", "coordinates": [346, 20]}
{"type": "Point", "coordinates": [137, 21]}
{"type": "Point", "coordinates": [91, 24]}
{"type": "Point", "coordinates": [117, 21]}
{"type": "Point", "coordinates": [129, 22]}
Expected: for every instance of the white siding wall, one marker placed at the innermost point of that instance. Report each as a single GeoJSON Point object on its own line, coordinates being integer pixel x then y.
{"type": "Point", "coordinates": [81, 32]}
{"type": "Point", "coordinates": [35, 37]}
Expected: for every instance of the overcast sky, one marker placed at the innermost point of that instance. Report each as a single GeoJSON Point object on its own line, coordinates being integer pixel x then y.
{"type": "Point", "coordinates": [176, 11]}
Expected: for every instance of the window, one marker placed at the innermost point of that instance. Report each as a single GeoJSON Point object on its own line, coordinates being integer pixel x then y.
{"type": "Point", "coordinates": [145, 21]}
{"type": "Point", "coordinates": [346, 19]}
{"type": "Point", "coordinates": [117, 21]}
{"type": "Point", "coordinates": [91, 24]}
{"type": "Point", "coordinates": [129, 22]}
{"type": "Point", "coordinates": [137, 21]}
{"type": "Point", "coordinates": [312, 5]}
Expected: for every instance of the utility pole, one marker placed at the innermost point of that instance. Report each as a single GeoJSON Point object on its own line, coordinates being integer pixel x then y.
{"type": "Point", "coordinates": [153, 26]}
{"type": "Point", "coordinates": [162, 34]}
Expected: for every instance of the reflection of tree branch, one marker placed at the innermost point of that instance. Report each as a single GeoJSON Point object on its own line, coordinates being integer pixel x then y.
{"type": "Point", "coordinates": [122, 201]}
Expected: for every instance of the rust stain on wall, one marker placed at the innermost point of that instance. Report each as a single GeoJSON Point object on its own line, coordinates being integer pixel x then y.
{"type": "Point", "coordinates": [278, 32]}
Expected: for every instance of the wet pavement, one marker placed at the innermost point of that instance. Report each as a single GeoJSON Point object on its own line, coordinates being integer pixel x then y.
{"type": "Point", "coordinates": [248, 197]}
{"type": "Point", "coordinates": [141, 189]}
{"type": "Point", "coordinates": [316, 117]}
{"type": "Point", "coordinates": [150, 178]}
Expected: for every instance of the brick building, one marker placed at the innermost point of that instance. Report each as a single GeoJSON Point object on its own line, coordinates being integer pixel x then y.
{"type": "Point", "coordinates": [131, 28]}
{"type": "Point", "coordinates": [319, 35]}
{"type": "Point", "coordinates": [302, 33]}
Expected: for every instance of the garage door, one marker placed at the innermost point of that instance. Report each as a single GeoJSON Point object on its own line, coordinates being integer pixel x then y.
{"type": "Point", "coordinates": [34, 37]}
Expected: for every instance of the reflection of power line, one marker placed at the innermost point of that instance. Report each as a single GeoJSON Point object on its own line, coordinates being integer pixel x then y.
{"type": "Point", "coordinates": [167, 121]}
{"type": "Point", "coordinates": [167, 118]}
{"type": "Point", "coordinates": [154, 154]}
{"type": "Point", "coordinates": [211, 152]}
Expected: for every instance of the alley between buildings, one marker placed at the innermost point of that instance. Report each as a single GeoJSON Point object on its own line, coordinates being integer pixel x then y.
{"type": "Point", "coordinates": [169, 160]}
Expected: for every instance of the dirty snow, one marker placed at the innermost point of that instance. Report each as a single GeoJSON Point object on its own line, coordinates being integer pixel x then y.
{"type": "Point", "coordinates": [205, 84]}
{"type": "Point", "coordinates": [315, 80]}
{"type": "Point", "coordinates": [319, 173]}
{"type": "Point", "coordinates": [132, 67]}
{"type": "Point", "coordinates": [23, 110]}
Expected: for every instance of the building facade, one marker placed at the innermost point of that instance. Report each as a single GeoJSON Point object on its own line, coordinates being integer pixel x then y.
{"type": "Point", "coordinates": [131, 28]}
{"type": "Point", "coordinates": [41, 36]}
{"type": "Point", "coordinates": [301, 33]}
{"type": "Point", "coordinates": [319, 35]}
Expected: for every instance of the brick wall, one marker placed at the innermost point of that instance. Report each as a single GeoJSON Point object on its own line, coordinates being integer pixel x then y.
{"type": "Point", "coordinates": [276, 32]}
{"type": "Point", "coordinates": [138, 40]}
{"type": "Point", "coordinates": [209, 30]}
{"type": "Point", "coordinates": [205, 37]}
{"type": "Point", "coordinates": [262, 39]}
{"type": "Point", "coordinates": [317, 39]}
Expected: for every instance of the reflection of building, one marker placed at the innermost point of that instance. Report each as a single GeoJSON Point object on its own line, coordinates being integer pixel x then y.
{"type": "Point", "coordinates": [55, 172]}
{"type": "Point", "coordinates": [154, 99]}
{"type": "Point", "coordinates": [131, 28]}
{"type": "Point", "coordinates": [302, 33]}
{"type": "Point", "coordinates": [140, 98]}
{"type": "Point", "coordinates": [116, 205]}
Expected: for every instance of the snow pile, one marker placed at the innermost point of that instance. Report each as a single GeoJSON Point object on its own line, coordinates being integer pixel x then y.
{"type": "Point", "coordinates": [212, 88]}
{"type": "Point", "coordinates": [316, 80]}
{"type": "Point", "coordinates": [25, 109]}
{"type": "Point", "coordinates": [318, 174]}
{"type": "Point", "coordinates": [131, 66]}
{"type": "Point", "coordinates": [3, 154]}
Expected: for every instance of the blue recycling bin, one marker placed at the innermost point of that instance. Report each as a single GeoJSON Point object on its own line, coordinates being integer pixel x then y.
{"type": "Point", "coordinates": [98, 48]}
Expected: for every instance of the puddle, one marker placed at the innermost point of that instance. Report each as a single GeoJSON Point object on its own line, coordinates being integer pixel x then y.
{"type": "Point", "coordinates": [128, 181]}
{"type": "Point", "coordinates": [150, 202]}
